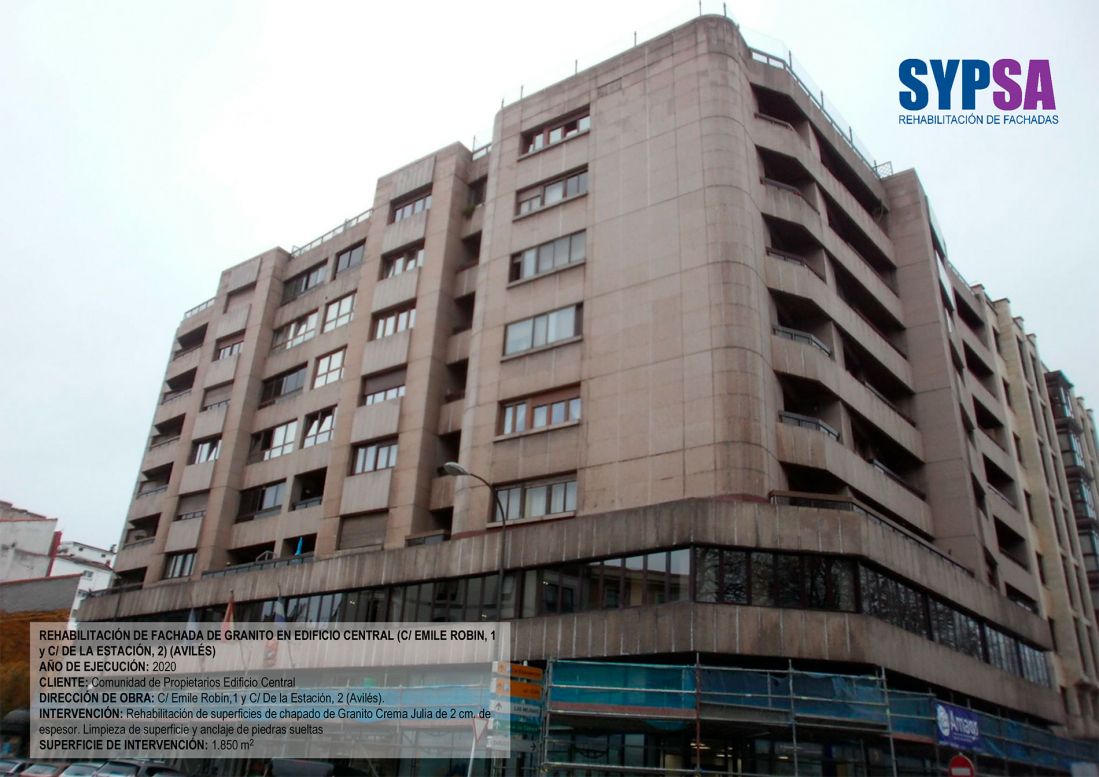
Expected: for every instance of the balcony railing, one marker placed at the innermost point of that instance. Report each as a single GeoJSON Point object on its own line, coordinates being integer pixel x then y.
{"type": "Point", "coordinates": [882, 468]}
{"type": "Point", "coordinates": [481, 151]}
{"type": "Point", "coordinates": [191, 515]}
{"type": "Point", "coordinates": [172, 396]}
{"type": "Point", "coordinates": [786, 257]}
{"type": "Point", "coordinates": [184, 351]}
{"type": "Point", "coordinates": [808, 422]}
{"type": "Point", "coordinates": [774, 120]}
{"type": "Point", "coordinates": [886, 401]}
{"type": "Point", "coordinates": [160, 443]}
{"type": "Point", "coordinates": [339, 230]}
{"type": "Point", "coordinates": [832, 502]}
{"type": "Point", "coordinates": [156, 489]}
{"type": "Point", "coordinates": [801, 337]}
{"type": "Point", "coordinates": [137, 543]}
{"type": "Point", "coordinates": [1002, 495]}
{"type": "Point", "coordinates": [304, 503]}
{"type": "Point", "coordinates": [236, 569]}
{"type": "Point", "coordinates": [789, 64]}
{"type": "Point", "coordinates": [788, 188]}
{"type": "Point", "coordinates": [199, 307]}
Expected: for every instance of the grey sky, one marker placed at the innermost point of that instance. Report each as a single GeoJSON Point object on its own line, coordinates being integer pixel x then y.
{"type": "Point", "coordinates": [147, 146]}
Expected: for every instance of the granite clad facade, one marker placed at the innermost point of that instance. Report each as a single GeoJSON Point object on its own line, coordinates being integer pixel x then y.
{"type": "Point", "coordinates": [674, 316]}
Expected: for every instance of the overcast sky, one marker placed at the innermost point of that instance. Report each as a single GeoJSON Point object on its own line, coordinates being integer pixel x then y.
{"type": "Point", "coordinates": [148, 146]}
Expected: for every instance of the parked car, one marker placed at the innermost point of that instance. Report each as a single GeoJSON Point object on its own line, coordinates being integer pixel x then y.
{"type": "Point", "coordinates": [128, 768]}
{"type": "Point", "coordinates": [81, 769]}
{"type": "Point", "coordinates": [13, 765]}
{"type": "Point", "coordinates": [45, 769]}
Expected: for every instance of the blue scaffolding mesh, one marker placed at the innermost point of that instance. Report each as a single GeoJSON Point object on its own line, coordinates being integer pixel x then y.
{"type": "Point", "coordinates": [655, 691]}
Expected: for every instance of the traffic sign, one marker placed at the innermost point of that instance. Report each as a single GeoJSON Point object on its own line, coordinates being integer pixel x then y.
{"type": "Point", "coordinates": [518, 671]}
{"type": "Point", "coordinates": [520, 709]}
{"type": "Point", "coordinates": [960, 766]}
{"type": "Point", "coordinates": [502, 686]}
{"type": "Point", "coordinates": [514, 744]}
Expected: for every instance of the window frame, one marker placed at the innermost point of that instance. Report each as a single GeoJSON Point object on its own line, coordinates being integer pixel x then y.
{"type": "Point", "coordinates": [399, 379]}
{"type": "Point", "coordinates": [273, 442]}
{"type": "Point", "coordinates": [323, 369]}
{"type": "Point", "coordinates": [535, 256]}
{"type": "Point", "coordinates": [278, 488]}
{"type": "Point", "coordinates": [534, 323]}
{"type": "Point", "coordinates": [179, 565]}
{"type": "Point", "coordinates": [270, 398]}
{"type": "Point", "coordinates": [375, 452]}
{"type": "Point", "coordinates": [523, 492]}
{"type": "Point", "coordinates": [342, 317]}
{"type": "Point", "coordinates": [400, 259]}
{"type": "Point", "coordinates": [204, 450]}
{"type": "Point", "coordinates": [228, 346]}
{"type": "Point", "coordinates": [539, 139]}
{"type": "Point", "coordinates": [325, 420]}
{"type": "Point", "coordinates": [293, 333]}
{"type": "Point", "coordinates": [519, 416]}
{"type": "Point", "coordinates": [409, 206]}
{"type": "Point", "coordinates": [339, 266]}
{"type": "Point", "coordinates": [539, 194]}
{"type": "Point", "coordinates": [402, 314]}
{"type": "Point", "coordinates": [306, 280]}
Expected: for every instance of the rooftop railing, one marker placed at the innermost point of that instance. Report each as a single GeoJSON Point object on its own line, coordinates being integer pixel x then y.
{"type": "Point", "coordinates": [338, 230]}
{"type": "Point", "coordinates": [199, 308]}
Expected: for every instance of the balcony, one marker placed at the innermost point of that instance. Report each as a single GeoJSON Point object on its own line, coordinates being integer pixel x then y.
{"type": "Point", "coordinates": [807, 422]}
{"type": "Point", "coordinates": [135, 555]}
{"type": "Point", "coordinates": [275, 563]}
{"type": "Point", "coordinates": [802, 337]}
{"type": "Point", "coordinates": [172, 396]}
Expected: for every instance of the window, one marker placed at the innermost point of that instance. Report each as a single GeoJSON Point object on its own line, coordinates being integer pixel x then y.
{"type": "Point", "coordinates": [538, 412]}
{"type": "Point", "coordinates": [537, 499]}
{"type": "Point", "coordinates": [408, 208]}
{"type": "Point", "coordinates": [261, 501]}
{"type": "Point", "coordinates": [402, 261]}
{"type": "Point", "coordinates": [383, 387]}
{"type": "Point", "coordinates": [393, 321]}
{"type": "Point", "coordinates": [179, 564]}
{"type": "Point", "coordinates": [294, 287]}
{"type": "Point", "coordinates": [546, 194]}
{"type": "Point", "coordinates": [205, 450]}
{"type": "Point", "coordinates": [274, 442]}
{"type": "Point", "coordinates": [477, 191]}
{"type": "Point", "coordinates": [228, 346]}
{"type": "Point", "coordinates": [338, 313]}
{"type": "Point", "coordinates": [561, 252]}
{"type": "Point", "coordinates": [372, 456]}
{"type": "Point", "coordinates": [318, 427]}
{"type": "Point", "coordinates": [329, 368]}
{"type": "Point", "coordinates": [296, 332]}
{"type": "Point", "coordinates": [352, 257]}
{"type": "Point", "coordinates": [282, 385]}
{"type": "Point", "coordinates": [216, 396]}
{"type": "Point", "coordinates": [556, 131]}
{"type": "Point", "coordinates": [542, 330]}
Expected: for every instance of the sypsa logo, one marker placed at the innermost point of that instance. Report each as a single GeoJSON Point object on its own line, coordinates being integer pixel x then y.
{"type": "Point", "coordinates": [1034, 92]}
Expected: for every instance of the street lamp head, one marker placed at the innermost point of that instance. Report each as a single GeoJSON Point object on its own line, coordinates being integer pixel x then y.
{"type": "Point", "coordinates": [454, 469]}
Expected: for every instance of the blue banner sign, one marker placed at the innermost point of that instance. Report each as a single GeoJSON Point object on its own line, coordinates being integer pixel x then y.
{"type": "Point", "coordinates": [957, 726]}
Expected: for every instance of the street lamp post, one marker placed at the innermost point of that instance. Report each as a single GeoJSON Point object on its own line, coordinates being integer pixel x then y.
{"type": "Point", "coordinates": [454, 469]}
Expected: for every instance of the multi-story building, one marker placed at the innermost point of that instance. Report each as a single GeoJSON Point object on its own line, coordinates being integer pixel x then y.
{"type": "Point", "coordinates": [743, 418]}
{"type": "Point", "coordinates": [1076, 441]}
